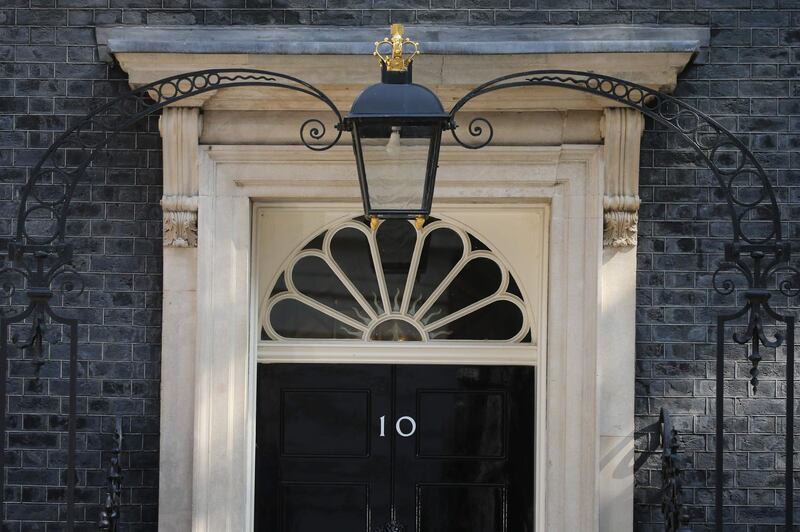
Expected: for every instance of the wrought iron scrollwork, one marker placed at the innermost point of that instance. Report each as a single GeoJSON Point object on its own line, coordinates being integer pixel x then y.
{"type": "Point", "coordinates": [41, 257]}
{"type": "Point", "coordinates": [765, 272]}
{"type": "Point", "coordinates": [757, 251]}
{"type": "Point", "coordinates": [109, 515]}
{"type": "Point", "coordinates": [42, 215]}
{"type": "Point", "coordinates": [676, 516]}
{"type": "Point", "coordinates": [37, 275]}
{"type": "Point", "coordinates": [746, 188]}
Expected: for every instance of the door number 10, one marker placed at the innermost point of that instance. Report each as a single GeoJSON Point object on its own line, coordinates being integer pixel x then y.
{"type": "Point", "coordinates": [405, 420]}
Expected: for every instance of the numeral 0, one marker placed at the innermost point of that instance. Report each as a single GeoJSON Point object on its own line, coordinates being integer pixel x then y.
{"type": "Point", "coordinates": [398, 426]}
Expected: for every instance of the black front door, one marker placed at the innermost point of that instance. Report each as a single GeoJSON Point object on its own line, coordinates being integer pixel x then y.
{"type": "Point", "coordinates": [352, 448]}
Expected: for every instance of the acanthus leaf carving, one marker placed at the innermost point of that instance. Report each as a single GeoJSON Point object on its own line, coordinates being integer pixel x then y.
{"type": "Point", "coordinates": [180, 221]}
{"type": "Point", "coordinates": [620, 221]}
{"type": "Point", "coordinates": [622, 131]}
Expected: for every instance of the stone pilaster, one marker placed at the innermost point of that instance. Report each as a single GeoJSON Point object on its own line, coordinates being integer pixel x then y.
{"type": "Point", "coordinates": [180, 130]}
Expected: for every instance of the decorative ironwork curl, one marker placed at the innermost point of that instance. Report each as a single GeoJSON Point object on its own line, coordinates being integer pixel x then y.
{"type": "Point", "coordinates": [8, 288]}
{"type": "Point", "coordinates": [726, 286]}
{"type": "Point", "coordinates": [761, 269]}
{"type": "Point", "coordinates": [790, 287]}
{"type": "Point", "coordinates": [316, 131]}
{"type": "Point", "coordinates": [475, 131]}
{"type": "Point", "coordinates": [728, 158]}
{"type": "Point", "coordinates": [69, 281]}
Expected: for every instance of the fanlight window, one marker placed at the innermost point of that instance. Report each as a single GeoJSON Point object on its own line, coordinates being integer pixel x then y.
{"type": "Point", "coordinates": [397, 283]}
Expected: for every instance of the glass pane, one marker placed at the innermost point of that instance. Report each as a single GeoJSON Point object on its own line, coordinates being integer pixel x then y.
{"type": "Point", "coordinates": [293, 319]}
{"type": "Point", "coordinates": [313, 277]}
{"type": "Point", "coordinates": [500, 320]}
{"type": "Point", "coordinates": [479, 279]}
{"type": "Point", "coordinates": [350, 250]}
{"type": "Point", "coordinates": [396, 241]}
{"type": "Point", "coordinates": [442, 250]}
{"type": "Point", "coordinates": [396, 166]}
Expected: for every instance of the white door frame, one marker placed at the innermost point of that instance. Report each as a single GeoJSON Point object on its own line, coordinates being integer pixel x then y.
{"type": "Point", "coordinates": [569, 178]}
{"type": "Point", "coordinates": [527, 262]}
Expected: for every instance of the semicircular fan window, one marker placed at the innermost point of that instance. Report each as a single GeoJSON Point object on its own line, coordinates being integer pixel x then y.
{"type": "Point", "coordinates": [396, 284]}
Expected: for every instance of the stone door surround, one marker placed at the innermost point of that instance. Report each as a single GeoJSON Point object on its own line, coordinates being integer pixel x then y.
{"type": "Point", "coordinates": [224, 150]}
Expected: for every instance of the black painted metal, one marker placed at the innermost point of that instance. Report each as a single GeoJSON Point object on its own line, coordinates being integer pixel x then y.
{"type": "Point", "coordinates": [396, 101]}
{"type": "Point", "coordinates": [676, 517]}
{"type": "Point", "coordinates": [109, 516]}
{"type": "Point", "coordinates": [40, 257]}
{"type": "Point", "coordinates": [761, 271]}
{"type": "Point", "coordinates": [38, 274]}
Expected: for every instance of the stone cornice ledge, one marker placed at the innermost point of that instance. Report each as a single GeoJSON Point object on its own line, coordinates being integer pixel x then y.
{"type": "Point", "coordinates": [438, 40]}
{"type": "Point", "coordinates": [339, 60]}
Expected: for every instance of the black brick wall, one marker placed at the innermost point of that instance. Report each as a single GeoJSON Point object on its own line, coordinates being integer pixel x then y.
{"type": "Point", "coordinates": [49, 74]}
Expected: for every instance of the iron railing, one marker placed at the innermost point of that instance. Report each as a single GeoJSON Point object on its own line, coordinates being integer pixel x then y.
{"type": "Point", "coordinates": [676, 515]}
{"type": "Point", "coordinates": [110, 514]}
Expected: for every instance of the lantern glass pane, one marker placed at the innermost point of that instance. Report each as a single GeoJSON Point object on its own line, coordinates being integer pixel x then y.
{"type": "Point", "coordinates": [396, 165]}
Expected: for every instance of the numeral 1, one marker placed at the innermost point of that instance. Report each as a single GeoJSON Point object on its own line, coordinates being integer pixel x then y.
{"type": "Point", "coordinates": [383, 427]}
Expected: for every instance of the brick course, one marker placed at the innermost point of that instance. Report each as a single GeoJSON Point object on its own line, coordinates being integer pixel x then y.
{"type": "Point", "coordinates": [50, 75]}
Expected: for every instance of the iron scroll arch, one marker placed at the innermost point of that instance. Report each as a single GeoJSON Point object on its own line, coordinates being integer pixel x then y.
{"type": "Point", "coordinates": [40, 257]}
{"type": "Point", "coordinates": [756, 259]}
{"type": "Point", "coordinates": [96, 130]}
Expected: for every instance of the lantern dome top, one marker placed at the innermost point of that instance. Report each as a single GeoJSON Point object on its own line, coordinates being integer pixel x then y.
{"type": "Point", "coordinates": [397, 100]}
{"type": "Point", "coordinates": [396, 97]}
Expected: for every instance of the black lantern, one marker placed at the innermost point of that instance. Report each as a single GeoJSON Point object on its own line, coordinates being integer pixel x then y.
{"type": "Point", "coordinates": [397, 130]}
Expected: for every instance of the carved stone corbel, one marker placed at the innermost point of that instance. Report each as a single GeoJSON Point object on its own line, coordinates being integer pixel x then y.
{"type": "Point", "coordinates": [180, 221]}
{"type": "Point", "coordinates": [620, 221]}
{"type": "Point", "coordinates": [180, 133]}
{"type": "Point", "coordinates": [622, 132]}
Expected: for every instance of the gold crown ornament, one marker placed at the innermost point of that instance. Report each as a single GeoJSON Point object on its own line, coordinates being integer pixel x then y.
{"type": "Point", "coordinates": [396, 61]}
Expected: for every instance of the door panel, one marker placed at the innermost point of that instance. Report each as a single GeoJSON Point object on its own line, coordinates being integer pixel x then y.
{"type": "Point", "coordinates": [313, 507]}
{"type": "Point", "coordinates": [472, 459]}
{"type": "Point", "coordinates": [326, 423]}
{"type": "Point", "coordinates": [456, 453]}
{"type": "Point", "coordinates": [448, 421]}
{"type": "Point", "coordinates": [466, 507]}
{"type": "Point", "coordinates": [319, 460]}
